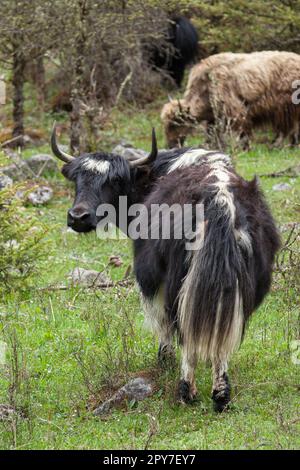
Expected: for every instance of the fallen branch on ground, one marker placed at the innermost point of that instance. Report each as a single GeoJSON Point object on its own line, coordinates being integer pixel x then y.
{"type": "Point", "coordinates": [104, 285]}
{"type": "Point", "coordinates": [292, 171]}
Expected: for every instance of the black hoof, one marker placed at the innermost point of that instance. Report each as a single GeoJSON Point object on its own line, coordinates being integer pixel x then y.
{"type": "Point", "coordinates": [221, 397]}
{"type": "Point", "coordinates": [185, 393]}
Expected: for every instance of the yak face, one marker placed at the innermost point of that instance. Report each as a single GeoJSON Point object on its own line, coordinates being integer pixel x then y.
{"type": "Point", "coordinates": [99, 179]}
{"type": "Point", "coordinates": [177, 122]}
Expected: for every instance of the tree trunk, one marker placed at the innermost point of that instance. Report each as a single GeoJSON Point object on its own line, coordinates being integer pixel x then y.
{"type": "Point", "coordinates": [18, 79]}
{"type": "Point", "coordinates": [35, 72]}
{"type": "Point", "coordinates": [77, 89]}
{"type": "Point", "coordinates": [40, 81]}
{"type": "Point", "coordinates": [75, 123]}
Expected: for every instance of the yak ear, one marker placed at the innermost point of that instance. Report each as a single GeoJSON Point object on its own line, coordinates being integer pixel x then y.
{"type": "Point", "coordinates": [67, 172]}
{"type": "Point", "coordinates": [141, 174]}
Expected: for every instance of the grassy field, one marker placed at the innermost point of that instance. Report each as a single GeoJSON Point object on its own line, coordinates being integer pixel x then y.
{"type": "Point", "coordinates": [67, 349]}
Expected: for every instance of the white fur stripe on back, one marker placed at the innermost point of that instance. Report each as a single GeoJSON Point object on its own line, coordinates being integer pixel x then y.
{"type": "Point", "coordinates": [187, 159]}
{"type": "Point", "coordinates": [200, 156]}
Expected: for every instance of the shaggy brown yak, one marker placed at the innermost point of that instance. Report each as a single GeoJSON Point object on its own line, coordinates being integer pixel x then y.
{"type": "Point", "coordinates": [243, 90]}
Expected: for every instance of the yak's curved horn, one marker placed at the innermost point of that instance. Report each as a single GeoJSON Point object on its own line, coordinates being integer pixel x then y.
{"type": "Point", "coordinates": [170, 98]}
{"type": "Point", "coordinates": [150, 158]}
{"type": "Point", "coordinates": [63, 156]}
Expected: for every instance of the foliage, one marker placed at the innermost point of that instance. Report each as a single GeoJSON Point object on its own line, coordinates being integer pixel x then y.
{"type": "Point", "coordinates": [22, 241]}
{"type": "Point", "coordinates": [243, 26]}
{"type": "Point", "coordinates": [98, 48]}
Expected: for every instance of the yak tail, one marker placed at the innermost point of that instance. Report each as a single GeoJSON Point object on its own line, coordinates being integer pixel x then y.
{"type": "Point", "coordinates": [217, 287]}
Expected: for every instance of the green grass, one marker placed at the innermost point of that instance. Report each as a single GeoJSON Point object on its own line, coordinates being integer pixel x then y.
{"type": "Point", "coordinates": [66, 349]}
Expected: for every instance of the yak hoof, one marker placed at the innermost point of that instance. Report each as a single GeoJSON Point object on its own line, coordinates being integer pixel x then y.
{"type": "Point", "coordinates": [186, 392]}
{"type": "Point", "coordinates": [221, 397]}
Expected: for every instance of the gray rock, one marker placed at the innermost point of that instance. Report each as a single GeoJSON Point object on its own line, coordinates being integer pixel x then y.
{"type": "Point", "coordinates": [5, 181]}
{"type": "Point", "coordinates": [282, 187]}
{"type": "Point", "coordinates": [287, 227]}
{"type": "Point", "coordinates": [88, 277]}
{"type": "Point", "coordinates": [129, 152]}
{"type": "Point", "coordinates": [42, 163]}
{"type": "Point", "coordinates": [136, 389]}
{"type": "Point", "coordinates": [40, 196]}
{"type": "Point", "coordinates": [17, 171]}
{"type": "Point", "coordinates": [11, 153]}
{"type": "Point", "coordinates": [37, 165]}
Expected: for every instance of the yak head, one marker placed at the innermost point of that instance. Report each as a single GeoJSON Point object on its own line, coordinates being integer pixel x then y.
{"type": "Point", "coordinates": [99, 178]}
{"type": "Point", "coordinates": [177, 121]}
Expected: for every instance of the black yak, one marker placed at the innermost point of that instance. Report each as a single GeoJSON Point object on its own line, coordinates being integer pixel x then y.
{"type": "Point", "coordinates": [183, 39]}
{"type": "Point", "coordinates": [202, 294]}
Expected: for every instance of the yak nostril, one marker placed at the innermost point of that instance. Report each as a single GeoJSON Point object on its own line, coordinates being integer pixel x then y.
{"type": "Point", "coordinates": [84, 216]}
{"type": "Point", "coordinates": [79, 216]}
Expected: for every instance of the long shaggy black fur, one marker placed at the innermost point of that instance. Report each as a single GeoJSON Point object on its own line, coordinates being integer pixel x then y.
{"type": "Point", "coordinates": [220, 265]}
{"type": "Point", "coordinates": [221, 261]}
{"type": "Point", "coordinates": [183, 39]}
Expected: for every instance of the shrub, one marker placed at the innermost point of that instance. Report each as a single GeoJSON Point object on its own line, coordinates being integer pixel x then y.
{"type": "Point", "coordinates": [22, 241]}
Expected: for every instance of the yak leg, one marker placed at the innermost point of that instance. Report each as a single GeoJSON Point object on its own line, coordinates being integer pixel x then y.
{"type": "Point", "coordinates": [187, 387]}
{"type": "Point", "coordinates": [279, 139]}
{"type": "Point", "coordinates": [157, 318]}
{"type": "Point", "coordinates": [294, 140]}
{"type": "Point", "coordinates": [221, 386]}
{"type": "Point", "coordinates": [210, 131]}
{"type": "Point", "coordinates": [295, 135]}
{"type": "Point", "coordinates": [166, 352]}
{"type": "Point", "coordinates": [244, 139]}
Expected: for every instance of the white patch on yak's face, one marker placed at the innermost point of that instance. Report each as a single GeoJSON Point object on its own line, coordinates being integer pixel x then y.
{"type": "Point", "coordinates": [96, 166]}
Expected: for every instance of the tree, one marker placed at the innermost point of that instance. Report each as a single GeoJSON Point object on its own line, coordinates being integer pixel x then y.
{"type": "Point", "coordinates": [243, 26]}
{"type": "Point", "coordinates": [100, 52]}
{"type": "Point", "coordinates": [23, 26]}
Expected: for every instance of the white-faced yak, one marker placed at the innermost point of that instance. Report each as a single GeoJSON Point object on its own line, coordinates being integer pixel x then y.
{"type": "Point", "coordinates": [203, 296]}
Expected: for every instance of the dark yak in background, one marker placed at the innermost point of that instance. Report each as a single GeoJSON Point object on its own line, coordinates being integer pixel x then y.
{"type": "Point", "coordinates": [182, 37]}
{"type": "Point", "coordinates": [168, 56]}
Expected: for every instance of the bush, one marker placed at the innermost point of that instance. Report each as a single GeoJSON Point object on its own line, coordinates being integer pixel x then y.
{"type": "Point", "coordinates": [22, 241]}
{"type": "Point", "coordinates": [243, 26]}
